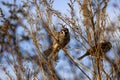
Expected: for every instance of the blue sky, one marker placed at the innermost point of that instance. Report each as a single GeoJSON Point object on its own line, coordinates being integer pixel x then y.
{"type": "Point", "coordinates": [61, 5]}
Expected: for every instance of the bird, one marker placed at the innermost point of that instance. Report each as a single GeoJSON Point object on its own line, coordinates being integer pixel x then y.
{"type": "Point", "coordinates": [98, 50]}
{"type": "Point", "coordinates": [61, 39]}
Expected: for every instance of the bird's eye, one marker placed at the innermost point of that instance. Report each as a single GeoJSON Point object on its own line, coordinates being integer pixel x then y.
{"type": "Point", "coordinates": [63, 32]}
{"type": "Point", "coordinates": [66, 30]}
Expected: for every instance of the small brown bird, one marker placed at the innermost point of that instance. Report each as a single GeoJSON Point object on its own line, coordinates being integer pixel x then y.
{"type": "Point", "coordinates": [98, 50]}
{"type": "Point", "coordinates": [62, 38]}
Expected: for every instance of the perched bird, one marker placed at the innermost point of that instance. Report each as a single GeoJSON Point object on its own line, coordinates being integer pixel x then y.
{"type": "Point", "coordinates": [61, 39]}
{"type": "Point", "coordinates": [98, 50]}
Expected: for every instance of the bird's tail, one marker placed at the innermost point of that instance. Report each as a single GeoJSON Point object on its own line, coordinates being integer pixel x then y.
{"type": "Point", "coordinates": [48, 51]}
